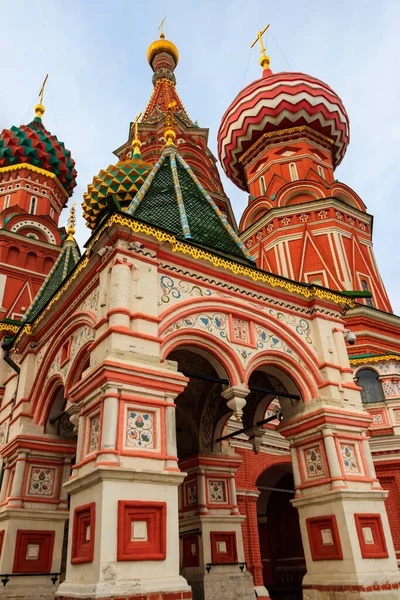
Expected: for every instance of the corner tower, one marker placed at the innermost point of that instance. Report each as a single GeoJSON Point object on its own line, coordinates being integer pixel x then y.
{"type": "Point", "coordinates": [37, 177]}
{"type": "Point", "coordinates": [281, 140]}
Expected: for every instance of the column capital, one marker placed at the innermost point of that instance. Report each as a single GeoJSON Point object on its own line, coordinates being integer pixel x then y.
{"type": "Point", "coordinates": [235, 396]}
{"type": "Point", "coordinates": [235, 391]}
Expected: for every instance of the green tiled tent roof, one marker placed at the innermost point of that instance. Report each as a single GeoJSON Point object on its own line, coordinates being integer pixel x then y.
{"type": "Point", "coordinates": [172, 198]}
{"type": "Point", "coordinates": [63, 266]}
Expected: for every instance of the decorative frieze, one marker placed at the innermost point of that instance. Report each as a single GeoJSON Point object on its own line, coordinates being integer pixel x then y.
{"type": "Point", "coordinates": [349, 459]}
{"type": "Point", "coordinates": [94, 433]}
{"type": "Point", "coordinates": [140, 429]}
{"type": "Point", "coordinates": [391, 388]}
{"type": "Point", "coordinates": [41, 481]}
{"type": "Point", "coordinates": [190, 489]}
{"type": "Point", "coordinates": [217, 491]}
{"type": "Point", "coordinates": [314, 463]}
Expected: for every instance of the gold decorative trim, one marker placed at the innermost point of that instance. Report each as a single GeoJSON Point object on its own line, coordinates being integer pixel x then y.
{"type": "Point", "coordinates": [283, 133]}
{"type": "Point", "coordinates": [217, 261]}
{"type": "Point", "coordinates": [36, 170]}
{"type": "Point", "coordinates": [9, 327]}
{"type": "Point", "coordinates": [374, 359]}
{"type": "Point", "coordinates": [194, 252]}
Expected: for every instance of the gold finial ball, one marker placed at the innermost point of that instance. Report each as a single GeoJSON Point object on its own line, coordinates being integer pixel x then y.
{"type": "Point", "coordinates": [162, 45]}
{"type": "Point", "coordinates": [170, 136]}
{"type": "Point", "coordinates": [136, 143]}
{"type": "Point", "coordinates": [39, 110]}
{"type": "Point", "coordinates": [265, 61]}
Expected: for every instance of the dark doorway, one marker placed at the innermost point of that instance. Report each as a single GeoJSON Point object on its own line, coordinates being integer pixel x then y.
{"type": "Point", "coordinates": [280, 539]}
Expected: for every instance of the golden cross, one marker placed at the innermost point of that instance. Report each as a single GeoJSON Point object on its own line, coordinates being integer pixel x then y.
{"type": "Point", "coordinates": [135, 125]}
{"type": "Point", "coordinates": [259, 38]}
{"type": "Point", "coordinates": [42, 89]}
{"type": "Point", "coordinates": [161, 28]}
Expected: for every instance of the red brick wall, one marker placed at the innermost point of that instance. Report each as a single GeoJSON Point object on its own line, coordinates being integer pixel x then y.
{"type": "Point", "coordinates": [388, 473]}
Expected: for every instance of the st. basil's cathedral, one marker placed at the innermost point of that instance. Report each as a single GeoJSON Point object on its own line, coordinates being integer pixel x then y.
{"type": "Point", "coordinates": [191, 408]}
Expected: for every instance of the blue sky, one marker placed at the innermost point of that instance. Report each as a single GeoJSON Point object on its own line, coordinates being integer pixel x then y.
{"type": "Point", "coordinates": [99, 79]}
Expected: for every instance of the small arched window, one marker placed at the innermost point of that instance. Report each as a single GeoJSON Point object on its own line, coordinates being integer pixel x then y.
{"type": "Point", "coordinates": [317, 281]}
{"type": "Point", "coordinates": [13, 255]}
{"type": "Point", "coordinates": [293, 172]}
{"type": "Point", "coordinates": [263, 189]}
{"type": "Point", "coordinates": [321, 171]}
{"type": "Point", "coordinates": [52, 213]}
{"type": "Point", "coordinates": [7, 201]}
{"type": "Point", "coordinates": [31, 260]}
{"type": "Point", "coordinates": [32, 206]}
{"type": "Point", "coordinates": [364, 285]}
{"type": "Point", "coordinates": [372, 390]}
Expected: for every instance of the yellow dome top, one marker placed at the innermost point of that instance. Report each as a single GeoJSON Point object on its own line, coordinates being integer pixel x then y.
{"type": "Point", "coordinates": [162, 45]}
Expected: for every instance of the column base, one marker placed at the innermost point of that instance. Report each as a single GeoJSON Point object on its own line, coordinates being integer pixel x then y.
{"type": "Point", "coordinates": [221, 584]}
{"type": "Point", "coordinates": [174, 588]}
{"type": "Point", "coordinates": [261, 592]}
{"type": "Point", "coordinates": [33, 591]}
{"type": "Point", "coordinates": [383, 591]}
{"type": "Point", "coordinates": [149, 596]}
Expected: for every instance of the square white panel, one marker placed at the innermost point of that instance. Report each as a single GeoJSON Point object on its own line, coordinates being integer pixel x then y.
{"type": "Point", "coordinates": [139, 531]}
{"type": "Point", "coordinates": [32, 552]}
{"type": "Point", "coordinates": [368, 535]}
{"type": "Point", "coordinates": [221, 547]}
{"type": "Point", "coordinates": [326, 535]}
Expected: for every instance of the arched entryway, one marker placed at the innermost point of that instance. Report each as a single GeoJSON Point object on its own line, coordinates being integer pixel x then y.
{"type": "Point", "coordinates": [211, 547]}
{"type": "Point", "coordinates": [282, 553]}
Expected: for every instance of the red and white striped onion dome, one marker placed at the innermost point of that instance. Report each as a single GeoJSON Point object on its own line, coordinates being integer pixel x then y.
{"type": "Point", "coordinates": [277, 102]}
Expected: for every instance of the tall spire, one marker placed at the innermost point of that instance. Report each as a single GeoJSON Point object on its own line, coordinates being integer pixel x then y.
{"type": "Point", "coordinates": [163, 57]}
{"type": "Point", "coordinates": [165, 123]}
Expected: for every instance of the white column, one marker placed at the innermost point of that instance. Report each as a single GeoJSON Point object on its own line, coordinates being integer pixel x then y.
{"type": "Point", "coordinates": [120, 294]}
{"type": "Point", "coordinates": [170, 433]}
{"type": "Point", "coordinates": [4, 483]}
{"type": "Point", "coordinates": [296, 469]}
{"type": "Point", "coordinates": [65, 472]}
{"type": "Point", "coordinates": [16, 491]}
{"type": "Point", "coordinates": [369, 463]}
{"type": "Point", "coordinates": [232, 484]}
{"type": "Point", "coordinates": [333, 459]}
{"type": "Point", "coordinates": [201, 488]}
{"type": "Point", "coordinates": [110, 425]}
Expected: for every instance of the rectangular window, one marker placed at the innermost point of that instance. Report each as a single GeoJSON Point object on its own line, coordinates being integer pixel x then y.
{"type": "Point", "coordinates": [7, 201]}
{"type": "Point", "coordinates": [32, 207]}
{"type": "Point", "coordinates": [3, 279]}
{"type": "Point", "coordinates": [293, 172]}
{"type": "Point", "coordinates": [321, 171]}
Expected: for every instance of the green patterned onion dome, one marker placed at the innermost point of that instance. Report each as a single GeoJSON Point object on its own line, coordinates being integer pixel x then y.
{"type": "Point", "coordinates": [118, 184]}
{"type": "Point", "coordinates": [34, 145]}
